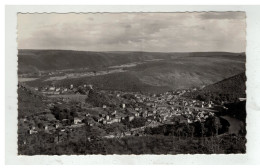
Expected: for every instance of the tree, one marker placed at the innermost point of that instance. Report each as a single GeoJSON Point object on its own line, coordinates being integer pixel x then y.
{"type": "Point", "coordinates": [95, 72]}
{"type": "Point", "coordinates": [40, 125]}
{"type": "Point", "coordinates": [138, 122]}
{"type": "Point", "coordinates": [81, 90]}
{"type": "Point", "coordinates": [217, 125]}
{"type": "Point", "coordinates": [213, 124]}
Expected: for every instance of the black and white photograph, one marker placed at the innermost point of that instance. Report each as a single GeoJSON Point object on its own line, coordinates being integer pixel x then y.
{"type": "Point", "coordinates": [131, 83]}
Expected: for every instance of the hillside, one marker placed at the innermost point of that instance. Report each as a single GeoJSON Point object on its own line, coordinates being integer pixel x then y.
{"type": "Point", "coordinates": [42, 60]}
{"type": "Point", "coordinates": [134, 71]}
{"type": "Point", "coordinates": [228, 90]}
{"type": "Point", "coordinates": [29, 102]}
{"type": "Point", "coordinates": [235, 84]}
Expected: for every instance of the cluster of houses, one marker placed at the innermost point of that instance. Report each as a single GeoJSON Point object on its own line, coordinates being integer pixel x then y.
{"type": "Point", "coordinates": [48, 127]}
{"type": "Point", "coordinates": [167, 108]}
{"type": "Point", "coordinates": [109, 116]}
{"type": "Point", "coordinates": [161, 108]}
{"type": "Point", "coordinates": [53, 90]}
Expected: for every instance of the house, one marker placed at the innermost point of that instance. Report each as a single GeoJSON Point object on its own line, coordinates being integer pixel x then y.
{"type": "Point", "coordinates": [144, 114]}
{"type": "Point", "coordinates": [102, 115]}
{"type": "Point", "coordinates": [137, 109]}
{"type": "Point", "coordinates": [77, 120]}
{"type": "Point", "coordinates": [24, 119]}
{"type": "Point", "coordinates": [123, 105]}
{"type": "Point", "coordinates": [46, 127]}
{"type": "Point", "coordinates": [242, 99]}
{"type": "Point", "coordinates": [32, 131]}
{"type": "Point", "coordinates": [109, 136]}
{"type": "Point", "coordinates": [201, 115]}
{"type": "Point", "coordinates": [89, 121]}
{"type": "Point", "coordinates": [117, 119]}
{"type": "Point", "coordinates": [130, 118]}
{"type": "Point", "coordinates": [189, 121]}
{"type": "Point", "coordinates": [114, 113]}
{"type": "Point", "coordinates": [90, 87]}
{"type": "Point", "coordinates": [225, 108]}
{"type": "Point", "coordinates": [122, 116]}
{"type": "Point", "coordinates": [109, 122]}
{"type": "Point", "coordinates": [65, 122]}
{"type": "Point", "coordinates": [32, 127]}
{"type": "Point", "coordinates": [150, 118]}
{"type": "Point", "coordinates": [167, 122]}
{"type": "Point", "coordinates": [158, 119]}
{"type": "Point", "coordinates": [100, 120]}
{"type": "Point", "coordinates": [136, 114]}
{"type": "Point", "coordinates": [150, 114]}
{"type": "Point", "coordinates": [104, 122]}
{"type": "Point", "coordinates": [51, 88]}
{"type": "Point", "coordinates": [164, 117]}
{"type": "Point", "coordinates": [77, 125]}
{"type": "Point", "coordinates": [57, 125]}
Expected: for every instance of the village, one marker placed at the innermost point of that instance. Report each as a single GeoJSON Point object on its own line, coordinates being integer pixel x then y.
{"type": "Point", "coordinates": [63, 116]}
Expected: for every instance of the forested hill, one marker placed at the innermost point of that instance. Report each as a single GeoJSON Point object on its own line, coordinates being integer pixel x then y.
{"type": "Point", "coordinates": [40, 60]}
{"type": "Point", "coordinates": [235, 84]}
{"type": "Point", "coordinates": [227, 90]}
{"type": "Point", "coordinates": [34, 60]}
{"type": "Point", "coordinates": [29, 102]}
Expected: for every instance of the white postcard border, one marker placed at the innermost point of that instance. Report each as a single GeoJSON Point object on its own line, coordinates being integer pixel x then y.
{"type": "Point", "coordinates": [253, 89]}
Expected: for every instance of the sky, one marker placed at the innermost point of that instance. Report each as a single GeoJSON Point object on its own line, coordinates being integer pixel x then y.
{"type": "Point", "coordinates": [153, 32]}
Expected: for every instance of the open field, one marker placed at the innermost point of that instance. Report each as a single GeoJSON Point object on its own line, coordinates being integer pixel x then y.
{"type": "Point", "coordinates": [26, 79]}
{"type": "Point", "coordinates": [71, 97]}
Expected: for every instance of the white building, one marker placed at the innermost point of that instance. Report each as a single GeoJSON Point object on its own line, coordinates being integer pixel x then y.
{"type": "Point", "coordinates": [77, 120]}
{"type": "Point", "coordinates": [123, 105]}
{"type": "Point", "coordinates": [52, 88]}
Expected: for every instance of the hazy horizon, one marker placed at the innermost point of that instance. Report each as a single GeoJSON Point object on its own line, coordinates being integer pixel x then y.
{"type": "Point", "coordinates": [133, 51]}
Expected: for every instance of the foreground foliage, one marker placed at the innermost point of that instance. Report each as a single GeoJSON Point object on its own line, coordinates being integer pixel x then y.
{"type": "Point", "coordinates": [141, 145]}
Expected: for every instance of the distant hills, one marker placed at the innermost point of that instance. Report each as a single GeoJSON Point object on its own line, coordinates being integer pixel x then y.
{"type": "Point", "coordinates": [154, 71]}
{"type": "Point", "coordinates": [42, 60]}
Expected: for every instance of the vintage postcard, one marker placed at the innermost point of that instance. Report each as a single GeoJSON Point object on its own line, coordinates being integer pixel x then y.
{"type": "Point", "coordinates": [131, 83]}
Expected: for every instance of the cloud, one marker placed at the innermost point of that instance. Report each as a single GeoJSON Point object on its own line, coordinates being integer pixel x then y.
{"type": "Point", "coordinates": [164, 32]}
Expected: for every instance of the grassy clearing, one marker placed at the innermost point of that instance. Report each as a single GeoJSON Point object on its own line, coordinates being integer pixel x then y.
{"type": "Point", "coordinates": [71, 97]}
